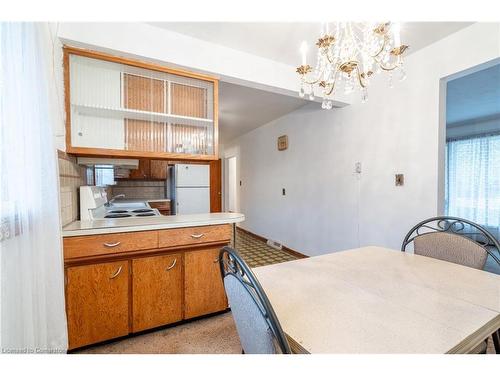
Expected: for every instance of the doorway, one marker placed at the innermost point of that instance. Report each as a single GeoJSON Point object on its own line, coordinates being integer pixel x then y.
{"type": "Point", "coordinates": [472, 151]}
{"type": "Point", "coordinates": [472, 148]}
{"type": "Point", "coordinates": [231, 184]}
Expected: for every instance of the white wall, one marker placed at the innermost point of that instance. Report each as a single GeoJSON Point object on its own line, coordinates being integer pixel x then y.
{"type": "Point", "coordinates": [54, 58]}
{"type": "Point", "coordinates": [327, 207]}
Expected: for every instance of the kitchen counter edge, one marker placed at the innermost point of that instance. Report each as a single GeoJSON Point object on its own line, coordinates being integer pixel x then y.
{"type": "Point", "coordinates": [79, 228]}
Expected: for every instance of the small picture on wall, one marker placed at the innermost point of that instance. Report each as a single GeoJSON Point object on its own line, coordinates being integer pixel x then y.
{"type": "Point", "coordinates": [282, 143]}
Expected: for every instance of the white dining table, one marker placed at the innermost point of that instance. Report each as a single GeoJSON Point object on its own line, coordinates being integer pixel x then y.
{"type": "Point", "coordinates": [378, 300]}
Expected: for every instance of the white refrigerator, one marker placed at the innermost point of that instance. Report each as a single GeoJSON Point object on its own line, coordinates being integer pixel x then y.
{"type": "Point", "coordinates": [189, 188]}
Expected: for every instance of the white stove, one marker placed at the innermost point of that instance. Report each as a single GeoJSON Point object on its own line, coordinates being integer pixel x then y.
{"type": "Point", "coordinates": [94, 205]}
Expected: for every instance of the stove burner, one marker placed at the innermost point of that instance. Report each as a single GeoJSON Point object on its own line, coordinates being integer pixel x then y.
{"type": "Point", "coordinates": [140, 210]}
{"type": "Point", "coordinates": [146, 214]}
{"type": "Point", "coordinates": [114, 216]}
{"type": "Point", "coordinates": [118, 212]}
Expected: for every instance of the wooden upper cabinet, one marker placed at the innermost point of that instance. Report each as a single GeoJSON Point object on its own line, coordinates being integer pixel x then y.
{"type": "Point", "coordinates": [97, 302]}
{"type": "Point", "coordinates": [159, 169]}
{"type": "Point", "coordinates": [121, 107]}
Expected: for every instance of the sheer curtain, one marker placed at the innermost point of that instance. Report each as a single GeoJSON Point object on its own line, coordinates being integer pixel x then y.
{"type": "Point", "coordinates": [32, 278]}
{"type": "Point", "coordinates": [473, 179]}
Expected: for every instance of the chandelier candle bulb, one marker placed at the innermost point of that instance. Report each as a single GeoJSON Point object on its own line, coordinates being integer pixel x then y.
{"type": "Point", "coordinates": [397, 34]}
{"type": "Point", "coordinates": [303, 51]}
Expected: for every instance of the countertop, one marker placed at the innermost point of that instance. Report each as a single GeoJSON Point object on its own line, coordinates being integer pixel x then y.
{"type": "Point", "coordinates": [87, 228]}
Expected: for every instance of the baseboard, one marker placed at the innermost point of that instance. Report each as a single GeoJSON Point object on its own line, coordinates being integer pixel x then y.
{"type": "Point", "coordinates": [284, 248]}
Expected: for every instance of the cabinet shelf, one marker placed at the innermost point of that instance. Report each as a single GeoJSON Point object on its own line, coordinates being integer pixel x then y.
{"type": "Point", "coordinates": [135, 114]}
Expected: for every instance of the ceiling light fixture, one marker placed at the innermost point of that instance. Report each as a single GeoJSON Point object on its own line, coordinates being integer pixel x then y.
{"type": "Point", "coordinates": [350, 56]}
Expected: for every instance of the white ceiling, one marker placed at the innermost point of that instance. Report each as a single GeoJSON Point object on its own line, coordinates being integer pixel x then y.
{"type": "Point", "coordinates": [242, 109]}
{"type": "Point", "coordinates": [280, 41]}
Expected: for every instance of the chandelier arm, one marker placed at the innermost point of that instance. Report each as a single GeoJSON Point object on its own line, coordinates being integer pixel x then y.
{"type": "Point", "coordinates": [363, 85]}
{"type": "Point", "coordinates": [387, 68]}
{"type": "Point", "coordinates": [311, 82]}
{"type": "Point", "coordinates": [381, 48]}
{"type": "Point", "coordinates": [331, 89]}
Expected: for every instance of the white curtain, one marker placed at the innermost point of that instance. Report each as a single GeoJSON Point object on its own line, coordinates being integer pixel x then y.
{"type": "Point", "coordinates": [32, 277]}
{"type": "Point", "coordinates": [473, 179]}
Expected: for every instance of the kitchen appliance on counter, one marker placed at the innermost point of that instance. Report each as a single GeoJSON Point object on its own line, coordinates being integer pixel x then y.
{"type": "Point", "coordinates": [94, 205]}
{"type": "Point", "coordinates": [189, 188]}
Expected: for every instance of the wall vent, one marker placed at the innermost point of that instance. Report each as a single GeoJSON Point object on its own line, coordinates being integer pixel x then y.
{"type": "Point", "coordinates": [275, 244]}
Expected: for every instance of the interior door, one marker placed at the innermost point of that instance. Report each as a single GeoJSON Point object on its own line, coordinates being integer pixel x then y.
{"type": "Point", "coordinates": [97, 302]}
{"type": "Point", "coordinates": [203, 289]}
{"type": "Point", "coordinates": [156, 291]}
{"type": "Point", "coordinates": [215, 186]}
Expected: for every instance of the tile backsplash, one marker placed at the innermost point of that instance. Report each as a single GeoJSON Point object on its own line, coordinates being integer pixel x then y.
{"type": "Point", "coordinates": [139, 189]}
{"type": "Point", "coordinates": [71, 177]}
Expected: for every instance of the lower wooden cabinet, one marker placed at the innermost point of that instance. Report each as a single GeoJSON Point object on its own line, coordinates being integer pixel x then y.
{"type": "Point", "coordinates": [203, 289]}
{"type": "Point", "coordinates": [149, 279]}
{"type": "Point", "coordinates": [156, 291]}
{"type": "Point", "coordinates": [97, 302]}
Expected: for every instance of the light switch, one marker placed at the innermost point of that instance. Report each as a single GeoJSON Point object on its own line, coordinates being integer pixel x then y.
{"type": "Point", "coordinates": [400, 179]}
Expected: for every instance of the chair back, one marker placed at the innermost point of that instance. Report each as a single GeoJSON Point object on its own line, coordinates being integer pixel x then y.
{"type": "Point", "coordinates": [454, 240]}
{"type": "Point", "coordinates": [258, 327]}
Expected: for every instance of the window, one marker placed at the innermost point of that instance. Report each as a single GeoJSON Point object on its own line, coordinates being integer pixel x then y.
{"type": "Point", "coordinates": [472, 186]}
{"type": "Point", "coordinates": [104, 175]}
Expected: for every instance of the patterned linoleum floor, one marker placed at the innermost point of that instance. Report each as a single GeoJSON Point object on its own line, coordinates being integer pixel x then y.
{"type": "Point", "coordinates": [257, 253]}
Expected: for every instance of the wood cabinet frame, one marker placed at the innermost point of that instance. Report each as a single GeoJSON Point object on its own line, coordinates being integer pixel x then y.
{"type": "Point", "coordinates": [88, 151]}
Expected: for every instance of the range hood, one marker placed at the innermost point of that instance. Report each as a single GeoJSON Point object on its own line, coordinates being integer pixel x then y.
{"type": "Point", "coordinates": [120, 163]}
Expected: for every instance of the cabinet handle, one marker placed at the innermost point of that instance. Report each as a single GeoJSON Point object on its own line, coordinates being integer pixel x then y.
{"type": "Point", "coordinates": [114, 244]}
{"type": "Point", "coordinates": [118, 271]}
{"type": "Point", "coordinates": [216, 260]}
{"type": "Point", "coordinates": [197, 235]}
{"type": "Point", "coordinates": [172, 265]}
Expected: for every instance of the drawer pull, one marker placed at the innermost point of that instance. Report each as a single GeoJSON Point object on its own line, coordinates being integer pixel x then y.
{"type": "Point", "coordinates": [114, 244]}
{"type": "Point", "coordinates": [172, 265]}
{"type": "Point", "coordinates": [197, 235]}
{"type": "Point", "coordinates": [118, 271]}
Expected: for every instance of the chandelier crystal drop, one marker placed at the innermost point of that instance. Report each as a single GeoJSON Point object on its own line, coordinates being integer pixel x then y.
{"type": "Point", "coordinates": [349, 57]}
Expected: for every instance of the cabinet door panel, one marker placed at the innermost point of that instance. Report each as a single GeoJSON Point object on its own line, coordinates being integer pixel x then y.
{"type": "Point", "coordinates": [203, 289]}
{"type": "Point", "coordinates": [159, 169]}
{"type": "Point", "coordinates": [157, 291]}
{"type": "Point", "coordinates": [97, 302]}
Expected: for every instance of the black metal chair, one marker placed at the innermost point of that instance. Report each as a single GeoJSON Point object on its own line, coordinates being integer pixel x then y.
{"type": "Point", "coordinates": [456, 240]}
{"type": "Point", "coordinates": [258, 327]}
{"type": "Point", "coordinates": [453, 239]}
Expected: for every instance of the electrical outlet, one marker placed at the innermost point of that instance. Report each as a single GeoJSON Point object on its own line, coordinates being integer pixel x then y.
{"type": "Point", "coordinates": [283, 191]}
{"type": "Point", "coordinates": [357, 167]}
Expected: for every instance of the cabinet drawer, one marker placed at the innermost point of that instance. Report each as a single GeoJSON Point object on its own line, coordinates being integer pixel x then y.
{"type": "Point", "coordinates": [84, 246]}
{"type": "Point", "coordinates": [194, 235]}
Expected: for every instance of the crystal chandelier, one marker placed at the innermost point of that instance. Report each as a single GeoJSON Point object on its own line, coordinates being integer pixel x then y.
{"type": "Point", "coordinates": [349, 56]}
